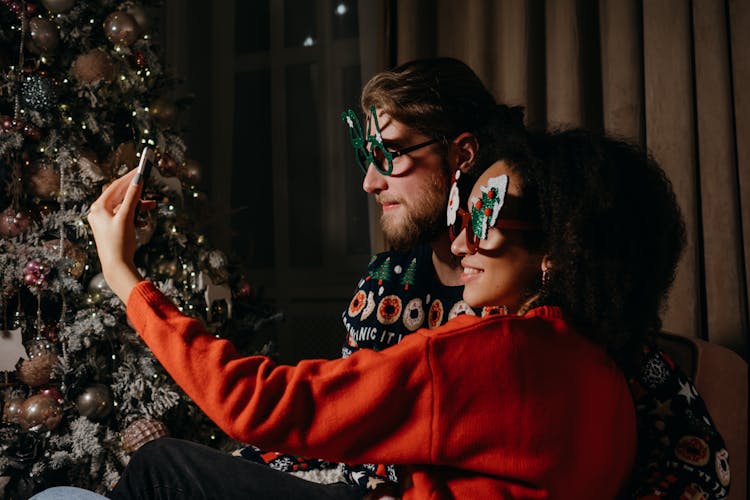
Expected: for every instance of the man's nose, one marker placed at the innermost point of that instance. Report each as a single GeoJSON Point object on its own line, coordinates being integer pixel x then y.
{"type": "Point", "coordinates": [374, 181]}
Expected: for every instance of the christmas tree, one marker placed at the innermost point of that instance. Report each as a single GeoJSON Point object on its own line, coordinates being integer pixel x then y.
{"type": "Point", "coordinates": [82, 91]}
{"type": "Point", "coordinates": [409, 275]}
{"type": "Point", "coordinates": [383, 272]}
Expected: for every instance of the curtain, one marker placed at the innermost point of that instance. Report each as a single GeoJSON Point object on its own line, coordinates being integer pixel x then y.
{"type": "Point", "coordinates": [669, 74]}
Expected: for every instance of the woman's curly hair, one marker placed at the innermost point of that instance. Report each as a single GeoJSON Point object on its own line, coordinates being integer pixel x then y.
{"type": "Point", "coordinates": [611, 228]}
{"type": "Point", "coordinates": [614, 233]}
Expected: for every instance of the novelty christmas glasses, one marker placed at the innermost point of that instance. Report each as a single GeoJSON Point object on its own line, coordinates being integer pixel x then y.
{"type": "Point", "coordinates": [377, 154]}
{"type": "Point", "coordinates": [484, 214]}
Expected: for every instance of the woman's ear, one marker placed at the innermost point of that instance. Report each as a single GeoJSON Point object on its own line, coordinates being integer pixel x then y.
{"type": "Point", "coordinates": [546, 269]}
{"type": "Point", "coordinates": [546, 264]}
{"type": "Point", "coordinates": [464, 151]}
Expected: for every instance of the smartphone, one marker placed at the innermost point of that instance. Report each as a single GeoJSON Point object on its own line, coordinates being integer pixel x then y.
{"type": "Point", "coordinates": [144, 168]}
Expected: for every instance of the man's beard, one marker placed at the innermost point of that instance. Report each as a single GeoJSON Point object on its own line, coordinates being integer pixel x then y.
{"type": "Point", "coordinates": [423, 221]}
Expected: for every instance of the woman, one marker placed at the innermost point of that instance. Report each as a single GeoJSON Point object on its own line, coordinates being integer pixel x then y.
{"type": "Point", "coordinates": [527, 404]}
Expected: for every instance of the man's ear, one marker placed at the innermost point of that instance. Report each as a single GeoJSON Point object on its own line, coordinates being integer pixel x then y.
{"type": "Point", "coordinates": [464, 151]}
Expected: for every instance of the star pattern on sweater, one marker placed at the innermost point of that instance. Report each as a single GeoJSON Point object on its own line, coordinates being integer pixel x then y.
{"type": "Point", "coordinates": [663, 408]}
{"type": "Point", "coordinates": [687, 391]}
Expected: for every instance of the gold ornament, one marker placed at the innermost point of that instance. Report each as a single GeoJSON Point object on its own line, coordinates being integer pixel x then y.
{"type": "Point", "coordinates": [43, 179]}
{"type": "Point", "coordinates": [72, 252]}
{"type": "Point", "coordinates": [141, 432]}
{"type": "Point", "coordinates": [37, 370]}
{"type": "Point", "coordinates": [93, 66]}
{"type": "Point", "coordinates": [40, 412]}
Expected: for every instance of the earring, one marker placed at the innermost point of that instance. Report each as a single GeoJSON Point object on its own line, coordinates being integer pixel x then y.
{"type": "Point", "coordinates": [454, 200]}
{"type": "Point", "coordinates": [545, 277]}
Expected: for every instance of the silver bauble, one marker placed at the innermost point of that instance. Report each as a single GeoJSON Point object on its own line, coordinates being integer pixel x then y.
{"type": "Point", "coordinates": [95, 402]}
{"type": "Point", "coordinates": [98, 284]}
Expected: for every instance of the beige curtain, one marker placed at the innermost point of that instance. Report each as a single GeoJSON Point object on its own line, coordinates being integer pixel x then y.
{"type": "Point", "coordinates": [671, 74]}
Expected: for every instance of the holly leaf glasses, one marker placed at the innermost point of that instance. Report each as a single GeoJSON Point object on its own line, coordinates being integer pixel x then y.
{"type": "Point", "coordinates": [369, 148]}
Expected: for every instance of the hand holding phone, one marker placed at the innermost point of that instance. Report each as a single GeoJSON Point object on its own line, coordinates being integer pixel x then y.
{"type": "Point", "coordinates": [144, 170]}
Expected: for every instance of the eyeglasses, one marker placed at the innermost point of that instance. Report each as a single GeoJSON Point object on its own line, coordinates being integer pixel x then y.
{"type": "Point", "coordinates": [464, 222]}
{"type": "Point", "coordinates": [377, 155]}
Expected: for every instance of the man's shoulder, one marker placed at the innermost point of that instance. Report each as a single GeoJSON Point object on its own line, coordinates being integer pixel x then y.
{"type": "Point", "coordinates": [420, 256]}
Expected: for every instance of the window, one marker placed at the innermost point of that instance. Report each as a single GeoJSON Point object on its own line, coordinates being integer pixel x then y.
{"type": "Point", "coordinates": [281, 72]}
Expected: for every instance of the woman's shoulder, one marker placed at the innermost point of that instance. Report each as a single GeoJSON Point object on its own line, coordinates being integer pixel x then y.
{"type": "Point", "coordinates": [542, 334]}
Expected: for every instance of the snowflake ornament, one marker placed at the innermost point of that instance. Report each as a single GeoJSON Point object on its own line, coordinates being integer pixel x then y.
{"type": "Point", "coordinates": [454, 200]}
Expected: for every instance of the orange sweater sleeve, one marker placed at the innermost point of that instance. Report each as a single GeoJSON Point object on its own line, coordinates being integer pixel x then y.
{"type": "Point", "coordinates": [363, 400]}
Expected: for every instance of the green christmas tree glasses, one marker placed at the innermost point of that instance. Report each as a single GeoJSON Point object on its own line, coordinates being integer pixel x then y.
{"type": "Point", "coordinates": [377, 154]}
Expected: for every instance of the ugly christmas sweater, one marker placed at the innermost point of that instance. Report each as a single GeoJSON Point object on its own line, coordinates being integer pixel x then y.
{"type": "Point", "coordinates": [479, 408]}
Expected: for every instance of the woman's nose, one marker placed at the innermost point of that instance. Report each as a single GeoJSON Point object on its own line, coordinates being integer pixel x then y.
{"type": "Point", "coordinates": [374, 181]}
{"type": "Point", "coordinates": [458, 247]}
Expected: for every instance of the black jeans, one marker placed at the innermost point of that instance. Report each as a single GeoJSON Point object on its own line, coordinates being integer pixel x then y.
{"type": "Point", "coordinates": [174, 469]}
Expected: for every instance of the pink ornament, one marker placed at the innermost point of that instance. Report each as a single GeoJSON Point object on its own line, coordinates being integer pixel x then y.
{"type": "Point", "coordinates": [54, 393]}
{"type": "Point", "coordinates": [35, 274]}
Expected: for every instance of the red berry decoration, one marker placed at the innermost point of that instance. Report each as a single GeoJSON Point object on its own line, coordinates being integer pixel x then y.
{"type": "Point", "coordinates": [492, 193]}
{"type": "Point", "coordinates": [487, 211]}
{"type": "Point", "coordinates": [478, 204]}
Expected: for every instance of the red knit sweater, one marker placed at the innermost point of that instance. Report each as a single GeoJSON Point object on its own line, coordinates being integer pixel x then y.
{"type": "Point", "coordinates": [501, 407]}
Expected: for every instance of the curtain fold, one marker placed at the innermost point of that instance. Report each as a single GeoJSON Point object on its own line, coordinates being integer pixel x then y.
{"type": "Point", "coordinates": [374, 39]}
{"type": "Point", "coordinates": [671, 75]}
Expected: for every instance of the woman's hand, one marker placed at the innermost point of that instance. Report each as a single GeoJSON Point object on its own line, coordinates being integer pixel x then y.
{"type": "Point", "coordinates": [111, 218]}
